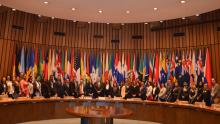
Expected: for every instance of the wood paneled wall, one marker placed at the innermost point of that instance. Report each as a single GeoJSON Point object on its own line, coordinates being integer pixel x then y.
{"type": "Point", "coordinates": [199, 32]}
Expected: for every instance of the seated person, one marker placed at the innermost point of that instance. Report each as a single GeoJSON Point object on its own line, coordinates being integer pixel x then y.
{"type": "Point", "coordinates": [45, 89]}
{"type": "Point", "coordinates": [207, 95]}
{"type": "Point", "coordinates": [175, 93]}
{"type": "Point", "coordinates": [37, 87]}
{"type": "Point", "coordinates": [185, 92]}
{"type": "Point", "coordinates": [162, 93]}
{"type": "Point", "coordinates": [115, 90]}
{"type": "Point", "coordinates": [215, 92]}
{"type": "Point", "coordinates": [199, 97]}
{"type": "Point", "coordinates": [192, 94]}
{"type": "Point", "coordinates": [149, 92]}
{"type": "Point", "coordinates": [142, 93]}
{"type": "Point", "coordinates": [136, 90]}
{"type": "Point", "coordinates": [60, 87]}
{"type": "Point", "coordinates": [107, 89]}
{"type": "Point", "coordinates": [155, 92]}
{"type": "Point", "coordinates": [53, 86]}
{"type": "Point", "coordinates": [3, 86]}
{"type": "Point", "coordinates": [123, 89]}
{"type": "Point", "coordinates": [89, 89]}
{"type": "Point", "coordinates": [10, 88]}
{"type": "Point", "coordinates": [16, 87]}
{"type": "Point", "coordinates": [24, 86]}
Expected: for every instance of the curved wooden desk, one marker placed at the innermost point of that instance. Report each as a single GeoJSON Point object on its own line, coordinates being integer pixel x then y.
{"type": "Point", "coordinates": [96, 114]}
{"type": "Point", "coordinates": [23, 110]}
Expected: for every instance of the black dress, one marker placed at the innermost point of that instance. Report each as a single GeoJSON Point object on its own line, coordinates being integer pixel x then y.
{"type": "Point", "coordinates": [60, 89]}
{"type": "Point", "coordinates": [185, 94]}
{"type": "Point", "coordinates": [207, 97]}
{"type": "Point", "coordinates": [199, 95]}
{"type": "Point", "coordinates": [143, 93]}
{"type": "Point", "coordinates": [45, 89]}
{"type": "Point", "coordinates": [192, 96]}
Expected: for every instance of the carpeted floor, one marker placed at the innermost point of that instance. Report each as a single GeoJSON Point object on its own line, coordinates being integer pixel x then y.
{"type": "Point", "coordinates": [77, 121]}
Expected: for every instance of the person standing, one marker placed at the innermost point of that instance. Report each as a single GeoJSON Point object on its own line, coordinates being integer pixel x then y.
{"type": "Point", "coordinates": [10, 88]}
{"type": "Point", "coordinates": [185, 92]}
{"type": "Point", "coordinates": [215, 92]}
{"type": "Point", "coordinates": [162, 93]}
{"type": "Point", "coordinates": [207, 95]}
{"type": "Point", "coordinates": [16, 86]}
{"type": "Point", "coordinates": [24, 86]}
{"type": "Point", "coordinates": [192, 94]}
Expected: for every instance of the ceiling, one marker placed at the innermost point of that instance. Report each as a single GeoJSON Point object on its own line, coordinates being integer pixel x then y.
{"type": "Point", "coordinates": [114, 11]}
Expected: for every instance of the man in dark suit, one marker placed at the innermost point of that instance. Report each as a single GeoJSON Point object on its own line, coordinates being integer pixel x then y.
{"type": "Point", "coordinates": [60, 88]}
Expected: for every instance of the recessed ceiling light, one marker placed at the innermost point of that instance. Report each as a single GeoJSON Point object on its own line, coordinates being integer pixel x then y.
{"type": "Point", "coordinates": [182, 1]}
{"type": "Point", "coordinates": [100, 11]}
{"type": "Point", "coordinates": [45, 2]}
{"type": "Point", "coordinates": [13, 9]}
{"type": "Point", "coordinates": [107, 23]}
{"type": "Point", "coordinates": [155, 9]}
{"type": "Point", "coordinates": [145, 23]}
{"type": "Point", "coordinates": [183, 18]}
{"type": "Point", "coordinates": [127, 11]}
{"type": "Point", "coordinates": [39, 15]}
{"type": "Point", "coordinates": [53, 17]}
{"type": "Point", "coordinates": [197, 14]}
{"type": "Point", "coordinates": [73, 9]}
{"type": "Point", "coordinates": [161, 21]}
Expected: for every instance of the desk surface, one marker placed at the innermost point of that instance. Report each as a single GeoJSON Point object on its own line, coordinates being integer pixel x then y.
{"type": "Point", "coordinates": [215, 108]}
{"type": "Point", "coordinates": [99, 111]}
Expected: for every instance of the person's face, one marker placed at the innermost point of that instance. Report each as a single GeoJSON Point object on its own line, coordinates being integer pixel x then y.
{"type": "Point", "coordinates": [176, 84]}
{"type": "Point", "coordinates": [213, 81]}
{"type": "Point", "coordinates": [8, 78]}
{"type": "Point", "coordinates": [4, 79]}
{"type": "Point", "coordinates": [17, 78]}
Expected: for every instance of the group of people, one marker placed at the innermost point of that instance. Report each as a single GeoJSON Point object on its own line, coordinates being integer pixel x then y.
{"type": "Point", "coordinates": [59, 87]}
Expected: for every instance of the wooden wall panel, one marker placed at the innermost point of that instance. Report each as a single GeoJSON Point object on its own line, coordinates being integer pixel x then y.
{"type": "Point", "coordinates": [40, 32]}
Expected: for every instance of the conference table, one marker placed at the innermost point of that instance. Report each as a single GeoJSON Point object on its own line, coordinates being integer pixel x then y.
{"type": "Point", "coordinates": [26, 109]}
{"type": "Point", "coordinates": [99, 114]}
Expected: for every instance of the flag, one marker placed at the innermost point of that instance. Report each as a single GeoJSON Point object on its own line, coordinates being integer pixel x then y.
{"type": "Point", "coordinates": [72, 74]}
{"type": "Point", "coordinates": [22, 61]}
{"type": "Point", "coordinates": [156, 69]}
{"type": "Point", "coordinates": [162, 69]}
{"type": "Point", "coordinates": [45, 69]}
{"type": "Point", "coordinates": [77, 67]}
{"type": "Point", "coordinates": [193, 67]}
{"type": "Point", "coordinates": [151, 68]}
{"type": "Point", "coordinates": [81, 64]}
{"type": "Point", "coordinates": [30, 63]}
{"type": "Point", "coordinates": [106, 73]}
{"type": "Point", "coordinates": [14, 66]}
{"type": "Point", "coordinates": [144, 67]}
{"type": "Point", "coordinates": [208, 72]}
{"type": "Point", "coordinates": [63, 62]}
{"type": "Point", "coordinates": [40, 62]}
{"type": "Point", "coordinates": [87, 64]}
{"type": "Point", "coordinates": [35, 62]}
{"type": "Point", "coordinates": [48, 65]}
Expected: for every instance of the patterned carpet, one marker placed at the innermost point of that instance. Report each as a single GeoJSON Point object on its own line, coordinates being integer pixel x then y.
{"type": "Point", "coordinates": [77, 121]}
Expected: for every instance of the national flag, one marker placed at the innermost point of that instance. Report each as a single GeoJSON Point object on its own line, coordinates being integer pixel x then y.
{"type": "Point", "coordinates": [77, 66]}
{"type": "Point", "coordinates": [208, 72]}
{"type": "Point", "coordinates": [22, 61]}
{"type": "Point", "coordinates": [156, 70]}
